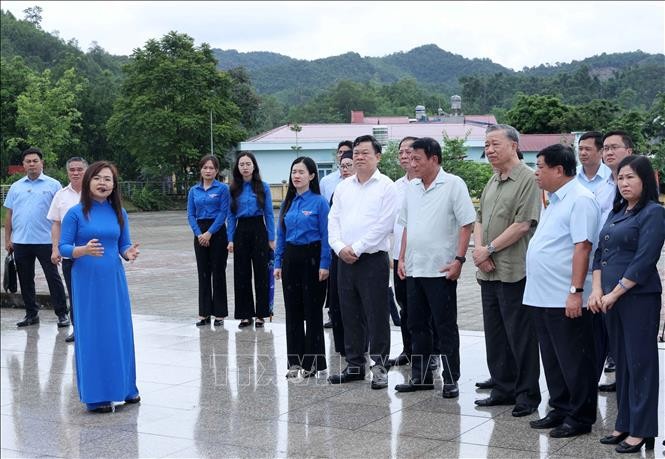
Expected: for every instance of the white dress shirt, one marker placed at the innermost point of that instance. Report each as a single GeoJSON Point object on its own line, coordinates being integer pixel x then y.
{"type": "Point", "coordinates": [398, 229]}
{"type": "Point", "coordinates": [328, 184]}
{"type": "Point", "coordinates": [363, 214]}
{"type": "Point", "coordinates": [62, 201]}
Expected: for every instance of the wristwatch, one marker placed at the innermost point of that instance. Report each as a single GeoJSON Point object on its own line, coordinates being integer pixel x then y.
{"type": "Point", "coordinates": [574, 289]}
{"type": "Point", "coordinates": [462, 260]}
{"type": "Point", "coordinates": [490, 248]}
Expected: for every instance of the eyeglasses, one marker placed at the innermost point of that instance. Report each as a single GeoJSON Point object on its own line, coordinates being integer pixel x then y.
{"type": "Point", "coordinates": [345, 166]}
{"type": "Point", "coordinates": [613, 147]}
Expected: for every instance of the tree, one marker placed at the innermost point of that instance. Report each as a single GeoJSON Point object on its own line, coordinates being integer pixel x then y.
{"type": "Point", "coordinates": [15, 79]}
{"type": "Point", "coordinates": [47, 114]}
{"type": "Point", "coordinates": [475, 175]}
{"type": "Point", "coordinates": [538, 114]}
{"type": "Point", "coordinates": [162, 116]}
{"type": "Point", "coordinates": [389, 163]}
{"type": "Point", "coordinates": [34, 15]}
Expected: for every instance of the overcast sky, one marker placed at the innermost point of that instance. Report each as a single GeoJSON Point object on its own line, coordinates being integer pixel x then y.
{"type": "Point", "coordinates": [513, 34]}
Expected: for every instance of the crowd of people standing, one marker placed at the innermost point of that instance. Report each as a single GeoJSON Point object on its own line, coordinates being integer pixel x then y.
{"type": "Point", "coordinates": [566, 262]}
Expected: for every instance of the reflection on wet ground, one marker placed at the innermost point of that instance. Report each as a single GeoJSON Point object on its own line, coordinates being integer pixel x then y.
{"type": "Point", "coordinates": [222, 393]}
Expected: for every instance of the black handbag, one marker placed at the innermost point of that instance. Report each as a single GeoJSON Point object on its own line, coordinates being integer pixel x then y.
{"type": "Point", "coordinates": [9, 280]}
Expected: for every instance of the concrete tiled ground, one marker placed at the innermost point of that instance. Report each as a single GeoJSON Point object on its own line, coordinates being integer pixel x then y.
{"type": "Point", "coordinates": [222, 392]}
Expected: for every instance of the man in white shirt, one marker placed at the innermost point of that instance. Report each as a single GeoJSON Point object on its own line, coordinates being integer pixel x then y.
{"type": "Point", "coordinates": [328, 183]}
{"type": "Point", "coordinates": [438, 218]}
{"type": "Point", "coordinates": [404, 149]}
{"type": "Point", "coordinates": [63, 200]}
{"type": "Point", "coordinates": [359, 226]}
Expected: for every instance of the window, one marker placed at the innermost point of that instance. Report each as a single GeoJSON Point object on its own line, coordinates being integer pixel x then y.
{"type": "Point", "coordinates": [324, 169]}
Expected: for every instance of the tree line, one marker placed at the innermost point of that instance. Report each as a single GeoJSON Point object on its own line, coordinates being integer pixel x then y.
{"type": "Point", "coordinates": [155, 112]}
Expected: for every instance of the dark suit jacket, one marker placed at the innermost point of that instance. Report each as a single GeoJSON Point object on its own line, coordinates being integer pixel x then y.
{"type": "Point", "coordinates": [629, 246]}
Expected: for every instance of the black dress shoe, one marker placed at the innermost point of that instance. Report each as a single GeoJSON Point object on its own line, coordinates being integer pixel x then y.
{"type": "Point", "coordinates": [70, 338]}
{"type": "Point", "coordinates": [624, 447]}
{"type": "Point", "coordinates": [349, 374]}
{"type": "Point", "coordinates": [28, 321]}
{"type": "Point", "coordinates": [612, 387]}
{"type": "Point", "coordinates": [548, 422]}
{"type": "Point", "coordinates": [132, 400]}
{"type": "Point", "coordinates": [63, 321]}
{"type": "Point", "coordinates": [259, 323]}
{"type": "Point", "coordinates": [523, 410]}
{"type": "Point", "coordinates": [450, 391]}
{"type": "Point", "coordinates": [398, 361]}
{"type": "Point", "coordinates": [328, 324]}
{"type": "Point", "coordinates": [203, 322]}
{"type": "Point", "coordinates": [614, 439]}
{"type": "Point", "coordinates": [487, 384]}
{"type": "Point", "coordinates": [415, 384]}
{"type": "Point", "coordinates": [566, 431]}
{"type": "Point", "coordinates": [219, 322]}
{"type": "Point", "coordinates": [245, 323]}
{"type": "Point", "coordinates": [494, 401]}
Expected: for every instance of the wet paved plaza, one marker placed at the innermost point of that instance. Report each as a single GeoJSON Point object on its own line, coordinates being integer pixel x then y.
{"type": "Point", "coordinates": [222, 392]}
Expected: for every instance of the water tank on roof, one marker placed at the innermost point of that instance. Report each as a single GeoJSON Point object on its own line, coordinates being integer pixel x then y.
{"type": "Point", "coordinates": [421, 114]}
{"type": "Point", "coordinates": [456, 103]}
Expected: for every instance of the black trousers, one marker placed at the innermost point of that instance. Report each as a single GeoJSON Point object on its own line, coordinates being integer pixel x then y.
{"type": "Point", "coordinates": [365, 312]}
{"type": "Point", "coordinates": [304, 296]}
{"type": "Point", "coordinates": [67, 264]}
{"type": "Point", "coordinates": [433, 304]}
{"type": "Point", "coordinates": [400, 295]}
{"type": "Point", "coordinates": [568, 355]}
{"type": "Point", "coordinates": [604, 345]}
{"type": "Point", "coordinates": [332, 302]}
{"type": "Point", "coordinates": [251, 252]}
{"type": "Point", "coordinates": [633, 325]}
{"type": "Point", "coordinates": [511, 342]}
{"type": "Point", "coordinates": [211, 268]}
{"type": "Point", "coordinates": [25, 255]}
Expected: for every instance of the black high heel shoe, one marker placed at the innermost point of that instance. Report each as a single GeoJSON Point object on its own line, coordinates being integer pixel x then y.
{"type": "Point", "coordinates": [626, 448]}
{"type": "Point", "coordinates": [614, 439]}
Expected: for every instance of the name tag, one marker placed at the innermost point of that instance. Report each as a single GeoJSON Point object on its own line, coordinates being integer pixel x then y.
{"type": "Point", "coordinates": [307, 213]}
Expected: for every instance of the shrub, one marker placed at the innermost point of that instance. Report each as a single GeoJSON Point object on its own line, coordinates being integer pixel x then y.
{"type": "Point", "coordinates": [149, 199]}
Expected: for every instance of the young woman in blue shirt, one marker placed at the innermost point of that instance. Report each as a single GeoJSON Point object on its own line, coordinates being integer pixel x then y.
{"type": "Point", "coordinates": [251, 233]}
{"type": "Point", "coordinates": [207, 209]}
{"type": "Point", "coordinates": [302, 261]}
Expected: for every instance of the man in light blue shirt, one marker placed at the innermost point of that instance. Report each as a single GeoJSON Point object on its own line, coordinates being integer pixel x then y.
{"type": "Point", "coordinates": [557, 287]}
{"type": "Point", "coordinates": [328, 183]}
{"type": "Point", "coordinates": [591, 172]}
{"type": "Point", "coordinates": [28, 236]}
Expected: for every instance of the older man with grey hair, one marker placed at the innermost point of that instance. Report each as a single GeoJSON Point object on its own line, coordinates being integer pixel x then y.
{"type": "Point", "coordinates": [506, 220]}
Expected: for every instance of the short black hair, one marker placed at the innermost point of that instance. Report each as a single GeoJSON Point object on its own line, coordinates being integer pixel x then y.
{"type": "Point", "coordinates": [625, 138]}
{"type": "Point", "coordinates": [343, 143]}
{"type": "Point", "coordinates": [32, 151]}
{"type": "Point", "coordinates": [560, 155]}
{"type": "Point", "coordinates": [596, 136]}
{"type": "Point", "coordinates": [644, 170]}
{"type": "Point", "coordinates": [368, 138]}
{"type": "Point", "coordinates": [430, 146]}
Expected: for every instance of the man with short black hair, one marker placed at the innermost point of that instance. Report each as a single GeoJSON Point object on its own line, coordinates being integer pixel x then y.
{"type": "Point", "coordinates": [437, 216]}
{"type": "Point", "coordinates": [359, 226]}
{"type": "Point", "coordinates": [28, 235]}
{"type": "Point", "coordinates": [558, 284]}
{"type": "Point", "coordinates": [64, 200]}
{"type": "Point", "coordinates": [592, 171]}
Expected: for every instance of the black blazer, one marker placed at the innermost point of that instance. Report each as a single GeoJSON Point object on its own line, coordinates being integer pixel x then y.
{"type": "Point", "coordinates": [629, 246]}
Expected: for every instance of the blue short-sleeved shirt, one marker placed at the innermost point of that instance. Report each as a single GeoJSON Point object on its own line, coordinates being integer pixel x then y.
{"type": "Point", "coordinates": [30, 201]}
{"type": "Point", "coordinates": [571, 217]}
{"type": "Point", "coordinates": [212, 203]}
{"type": "Point", "coordinates": [248, 206]}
